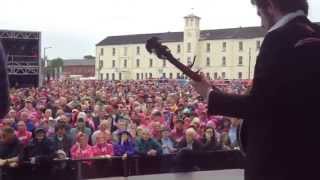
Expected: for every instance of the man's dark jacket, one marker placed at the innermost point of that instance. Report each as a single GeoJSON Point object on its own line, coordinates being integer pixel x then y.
{"type": "Point", "coordinates": [282, 109]}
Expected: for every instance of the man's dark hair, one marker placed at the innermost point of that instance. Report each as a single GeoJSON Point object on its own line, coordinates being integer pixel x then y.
{"type": "Point", "coordinates": [285, 6]}
{"type": "Point", "coordinates": [59, 126]}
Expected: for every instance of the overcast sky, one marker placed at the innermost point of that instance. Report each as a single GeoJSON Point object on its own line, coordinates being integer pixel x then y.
{"type": "Point", "coordinates": [73, 27]}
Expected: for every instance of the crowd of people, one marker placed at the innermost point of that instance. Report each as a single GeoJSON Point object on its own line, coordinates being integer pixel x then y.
{"type": "Point", "coordinates": [101, 119]}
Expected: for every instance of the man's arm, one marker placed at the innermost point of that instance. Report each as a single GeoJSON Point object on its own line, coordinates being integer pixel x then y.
{"type": "Point", "coordinates": [4, 84]}
{"type": "Point", "coordinates": [228, 104]}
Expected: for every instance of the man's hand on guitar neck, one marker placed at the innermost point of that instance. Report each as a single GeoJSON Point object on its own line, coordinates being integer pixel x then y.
{"type": "Point", "coordinates": [203, 87]}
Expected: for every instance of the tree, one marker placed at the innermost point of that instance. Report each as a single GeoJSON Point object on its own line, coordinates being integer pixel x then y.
{"type": "Point", "coordinates": [89, 57]}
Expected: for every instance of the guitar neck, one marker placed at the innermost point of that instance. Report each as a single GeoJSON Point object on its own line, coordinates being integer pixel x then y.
{"type": "Point", "coordinates": [186, 70]}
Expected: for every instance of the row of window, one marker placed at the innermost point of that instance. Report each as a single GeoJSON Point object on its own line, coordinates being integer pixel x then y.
{"type": "Point", "coordinates": [142, 76]}
{"type": "Point", "coordinates": [164, 62]}
{"type": "Point", "coordinates": [189, 48]}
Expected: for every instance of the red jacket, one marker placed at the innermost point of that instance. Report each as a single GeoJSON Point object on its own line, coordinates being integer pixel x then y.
{"type": "Point", "coordinates": [24, 137]}
{"type": "Point", "coordinates": [103, 149]}
{"type": "Point", "coordinates": [78, 153]}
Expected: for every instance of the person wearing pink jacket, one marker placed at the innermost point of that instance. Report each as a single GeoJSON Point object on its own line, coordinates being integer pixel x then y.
{"type": "Point", "coordinates": [102, 148]}
{"type": "Point", "coordinates": [81, 150]}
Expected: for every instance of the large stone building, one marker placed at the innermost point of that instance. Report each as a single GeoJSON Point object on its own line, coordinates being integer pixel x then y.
{"type": "Point", "coordinates": [221, 53]}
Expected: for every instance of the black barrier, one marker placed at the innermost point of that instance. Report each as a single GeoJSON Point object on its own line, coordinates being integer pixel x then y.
{"type": "Point", "coordinates": [118, 167]}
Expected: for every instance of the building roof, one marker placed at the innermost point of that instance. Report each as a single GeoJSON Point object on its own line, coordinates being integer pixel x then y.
{"type": "Point", "coordinates": [78, 62]}
{"type": "Point", "coordinates": [217, 34]}
{"type": "Point", "coordinates": [141, 38]}
{"type": "Point", "coordinates": [232, 33]}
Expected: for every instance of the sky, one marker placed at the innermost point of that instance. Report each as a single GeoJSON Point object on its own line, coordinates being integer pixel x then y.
{"type": "Point", "coordinates": [73, 27]}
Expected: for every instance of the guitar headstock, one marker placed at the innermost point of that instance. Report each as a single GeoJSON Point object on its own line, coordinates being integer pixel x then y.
{"type": "Point", "coordinates": [154, 45]}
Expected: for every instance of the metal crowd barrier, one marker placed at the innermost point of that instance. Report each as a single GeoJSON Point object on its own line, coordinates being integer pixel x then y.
{"type": "Point", "coordinates": [118, 167]}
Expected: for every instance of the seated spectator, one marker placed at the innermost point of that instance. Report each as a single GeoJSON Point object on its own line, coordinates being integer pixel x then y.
{"type": "Point", "coordinates": [65, 121]}
{"type": "Point", "coordinates": [51, 127]}
{"type": "Point", "coordinates": [104, 127]}
{"type": "Point", "coordinates": [40, 150]}
{"type": "Point", "coordinates": [178, 132]}
{"type": "Point", "coordinates": [168, 145]}
{"type": "Point", "coordinates": [22, 133]}
{"type": "Point", "coordinates": [209, 140]}
{"type": "Point", "coordinates": [80, 127]}
{"type": "Point", "coordinates": [195, 124]}
{"type": "Point", "coordinates": [225, 141]}
{"type": "Point", "coordinates": [156, 130]}
{"type": "Point", "coordinates": [125, 147]}
{"type": "Point", "coordinates": [147, 146]}
{"type": "Point", "coordinates": [102, 148]}
{"type": "Point", "coordinates": [10, 148]}
{"type": "Point", "coordinates": [121, 126]}
{"type": "Point", "coordinates": [62, 143]}
{"type": "Point", "coordinates": [190, 141]}
{"type": "Point", "coordinates": [233, 131]}
{"type": "Point", "coordinates": [81, 149]}
{"type": "Point", "coordinates": [139, 132]}
{"type": "Point", "coordinates": [24, 116]}
{"type": "Point", "coordinates": [8, 123]}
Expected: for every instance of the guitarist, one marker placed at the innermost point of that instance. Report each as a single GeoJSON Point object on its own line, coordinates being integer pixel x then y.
{"type": "Point", "coordinates": [282, 109]}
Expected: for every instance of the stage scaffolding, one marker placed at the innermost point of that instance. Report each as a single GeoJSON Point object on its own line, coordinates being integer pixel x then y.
{"type": "Point", "coordinates": [23, 49]}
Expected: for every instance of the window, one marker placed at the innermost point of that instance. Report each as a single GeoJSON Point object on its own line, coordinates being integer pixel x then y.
{"type": "Point", "coordinates": [120, 76]}
{"type": "Point", "coordinates": [178, 76]}
{"type": "Point", "coordinates": [189, 61]}
{"type": "Point", "coordinates": [138, 63]}
{"type": "Point", "coordinates": [189, 48]}
{"type": "Point", "coordinates": [150, 75]}
{"type": "Point", "coordinates": [208, 61]}
{"type": "Point", "coordinates": [107, 76]}
{"type": "Point", "coordinates": [224, 61]}
{"type": "Point", "coordinates": [113, 51]}
{"type": "Point", "coordinates": [215, 75]}
{"type": "Point", "coordinates": [125, 51]}
{"type": "Point", "coordinates": [170, 75]}
{"type": "Point", "coordinates": [208, 76]}
{"type": "Point", "coordinates": [223, 75]}
{"type": "Point", "coordinates": [208, 47]}
{"type": "Point", "coordinates": [142, 76]}
{"type": "Point", "coordinates": [101, 76]}
{"type": "Point", "coordinates": [125, 63]}
{"type": "Point", "coordinates": [101, 51]}
{"type": "Point", "coordinates": [113, 63]}
{"type": "Point", "coordinates": [138, 50]}
{"type": "Point", "coordinates": [258, 45]}
{"type": "Point", "coordinates": [164, 75]}
{"type": "Point", "coordinates": [240, 46]}
{"type": "Point", "coordinates": [178, 48]}
{"type": "Point", "coordinates": [113, 76]}
{"type": "Point", "coordinates": [224, 46]}
{"type": "Point", "coordinates": [164, 63]}
{"type": "Point", "coordinates": [240, 63]}
{"type": "Point", "coordinates": [150, 63]}
{"type": "Point", "coordinates": [240, 75]}
{"type": "Point", "coordinates": [146, 75]}
{"type": "Point", "coordinates": [138, 76]}
{"type": "Point", "coordinates": [100, 64]}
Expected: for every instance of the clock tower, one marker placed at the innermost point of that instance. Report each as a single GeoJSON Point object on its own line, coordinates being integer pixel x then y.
{"type": "Point", "coordinates": [191, 38]}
